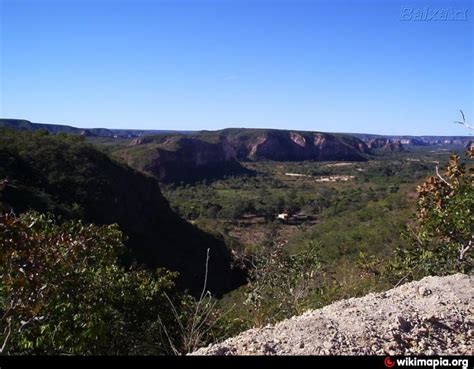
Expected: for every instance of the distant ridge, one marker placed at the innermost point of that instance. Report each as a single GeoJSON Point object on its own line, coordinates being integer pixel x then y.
{"type": "Point", "coordinates": [26, 125]}
{"type": "Point", "coordinates": [417, 140]}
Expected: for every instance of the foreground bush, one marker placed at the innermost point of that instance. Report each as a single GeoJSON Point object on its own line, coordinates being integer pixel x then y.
{"type": "Point", "coordinates": [63, 291]}
{"type": "Point", "coordinates": [281, 283]}
{"type": "Point", "coordinates": [442, 237]}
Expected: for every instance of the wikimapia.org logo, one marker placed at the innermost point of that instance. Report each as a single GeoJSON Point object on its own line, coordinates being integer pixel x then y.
{"type": "Point", "coordinates": [428, 14]}
{"type": "Point", "coordinates": [427, 362]}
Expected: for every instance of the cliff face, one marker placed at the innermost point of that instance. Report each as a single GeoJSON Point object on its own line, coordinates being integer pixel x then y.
{"type": "Point", "coordinates": [209, 154]}
{"type": "Point", "coordinates": [191, 156]}
{"type": "Point", "coordinates": [294, 146]}
{"type": "Point", "coordinates": [417, 140]}
{"type": "Point", "coordinates": [385, 144]}
{"type": "Point", "coordinates": [25, 125]}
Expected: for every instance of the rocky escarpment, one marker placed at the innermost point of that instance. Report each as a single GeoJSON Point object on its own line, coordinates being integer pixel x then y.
{"type": "Point", "coordinates": [433, 316]}
{"type": "Point", "coordinates": [294, 146]}
{"type": "Point", "coordinates": [385, 144]}
{"type": "Point", "coordinates": [25, 125]}
{"type": "Point", "coordinates": [211, 154]}
{"type": "Point", "coordinates": [417, 140]}
{"type": "Point", "coordinates": [183, 157]}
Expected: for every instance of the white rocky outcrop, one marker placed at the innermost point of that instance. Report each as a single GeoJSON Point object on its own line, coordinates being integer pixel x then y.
{"type": "Point", "coordinates": [433, 316]}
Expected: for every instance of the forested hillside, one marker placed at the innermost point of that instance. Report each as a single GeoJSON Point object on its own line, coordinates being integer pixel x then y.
{"type": "Point", "coordinates": [67, 177]}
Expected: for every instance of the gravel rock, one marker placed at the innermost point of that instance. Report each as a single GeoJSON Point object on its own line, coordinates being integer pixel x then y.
{"type": "Point", "coordinates": [423, 291]}
{"type": "Point", "coordinates": [428, 317]}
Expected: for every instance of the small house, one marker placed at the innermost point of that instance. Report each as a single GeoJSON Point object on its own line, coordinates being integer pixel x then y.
{"type": "Point", "coordinates": [282, 216]}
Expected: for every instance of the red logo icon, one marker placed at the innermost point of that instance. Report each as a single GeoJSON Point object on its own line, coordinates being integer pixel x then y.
{"type": "Point", "coordinates": [389, 363]}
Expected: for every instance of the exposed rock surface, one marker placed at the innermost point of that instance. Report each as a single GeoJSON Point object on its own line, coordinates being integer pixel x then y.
{"type": "Point", "coordinates": [26, 125]}
{"type": "Point", "coordinates": [433, 316]}
{"type": "Point", "coordinates": [294, 146]}
{"type": "Point", "coordinates": [385, 144]}
{"type": "Point", "coordinates": [208, 154]}
{"type": "Point", "coordinates": [417, 140]}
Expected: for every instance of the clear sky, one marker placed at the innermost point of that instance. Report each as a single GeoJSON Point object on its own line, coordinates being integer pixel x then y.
{"type": "Point", "coordinates": [337, 66]}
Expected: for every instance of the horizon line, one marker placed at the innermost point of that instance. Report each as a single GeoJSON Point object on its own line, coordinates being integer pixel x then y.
{"type": "Point", "coordinates": [69, 125]}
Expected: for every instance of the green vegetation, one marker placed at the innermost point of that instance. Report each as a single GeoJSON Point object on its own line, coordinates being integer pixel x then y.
{"type": "Point", "coordinates": [70, 178]}
{"type": "Point", "coordinates": [89, 257]}
{"type": "Point", "coordinates": [358, 225]}
{"type": "Point", "coordinates": [64, 291]}
{"type": "Point", "coordinates": [280, 283]}
{"type": "Point", "coordinates": [441, 238]}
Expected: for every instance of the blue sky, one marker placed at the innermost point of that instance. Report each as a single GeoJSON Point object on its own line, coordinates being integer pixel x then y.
{"type": "Point", "coordinates": [337, 66]}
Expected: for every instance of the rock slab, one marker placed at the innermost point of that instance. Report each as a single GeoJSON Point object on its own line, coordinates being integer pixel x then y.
{"type": "Point", "coordinates": [433, 316]}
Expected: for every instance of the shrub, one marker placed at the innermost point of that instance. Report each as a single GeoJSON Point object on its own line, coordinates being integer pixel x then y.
{"type": "Point", "coordinates": [63, 291]}
{"type": "Point", "coordinates": [442, 235]}
{"type": "Point", "coordinates": [280, 284]}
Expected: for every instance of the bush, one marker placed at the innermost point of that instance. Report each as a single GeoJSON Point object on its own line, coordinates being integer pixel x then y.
{"type": "Point", "coordinates": [63, 291]}
{"type": "Point", "coordinates": [443, 233]}
{"type": "Point", "coordinates": [280, 284]}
